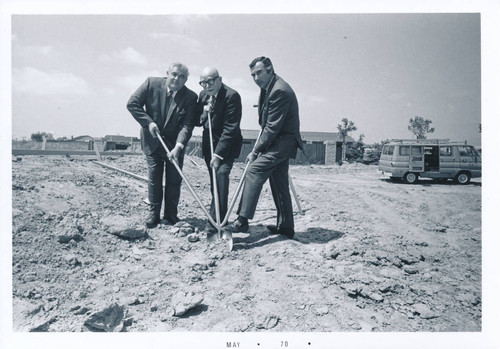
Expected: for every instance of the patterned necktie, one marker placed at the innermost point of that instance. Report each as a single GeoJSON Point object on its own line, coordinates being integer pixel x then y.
{"type": "Point", "coordinates": [168, 104]}
{"type": "Point", "coordinates": [169, 99]}
{"type": "Point", "coordinates": [212, 104]}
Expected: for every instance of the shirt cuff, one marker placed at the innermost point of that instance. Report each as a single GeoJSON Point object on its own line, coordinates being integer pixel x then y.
{"type": "Point", "coordinates": [180, 145]}
{"type": "Point", "coordinates": [218, 156]}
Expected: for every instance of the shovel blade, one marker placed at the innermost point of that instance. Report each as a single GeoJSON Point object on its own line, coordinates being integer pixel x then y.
{"type": "Point", "coordinates": [226, 235]}
{"type": "Point", "coordinates": [213, 236]}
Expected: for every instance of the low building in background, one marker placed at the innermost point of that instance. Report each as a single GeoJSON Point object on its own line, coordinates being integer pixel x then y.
{"type": "Point", "coordinates": [117, 142]}
{"type": "Point", "coordinates": [319, 147]}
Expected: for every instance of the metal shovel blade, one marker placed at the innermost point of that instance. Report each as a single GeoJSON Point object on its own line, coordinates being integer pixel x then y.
{"type": "Point", "coordinates": [213, 236]}
{"type": "Point", "coordinates": [226, 235]}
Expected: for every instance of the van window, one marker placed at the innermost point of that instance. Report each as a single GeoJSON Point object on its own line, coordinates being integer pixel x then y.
{"type": "Point", "coordinates": [404, 150]}
{"type": "Point", "coordinates": [384, 149]}
{"type": "Point", "coordinates": [416, 150]}
{"type": "Point", "coordinates": [391, 150]}
{"type": "Point", "coordinates": [465, 150]}
{"type": "Point", "coordinates": [445, 151]}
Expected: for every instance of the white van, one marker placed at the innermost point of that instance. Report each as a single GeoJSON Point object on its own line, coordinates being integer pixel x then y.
{"type": "Point", "coordinates": [440, 159]}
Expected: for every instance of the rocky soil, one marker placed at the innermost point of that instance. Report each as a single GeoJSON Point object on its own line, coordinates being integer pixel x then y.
{"type": "Point", "coordinates": [369, 255]}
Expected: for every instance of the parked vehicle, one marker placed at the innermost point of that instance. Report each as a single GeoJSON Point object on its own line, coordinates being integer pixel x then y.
{"type": "Point", "coordinates": [370, 155]}
{"type": "Point", "coordinates": [440, 159]}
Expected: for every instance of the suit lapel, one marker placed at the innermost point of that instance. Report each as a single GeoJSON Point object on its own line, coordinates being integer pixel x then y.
{"type": "Point", "coordinates": [261, 102]}
{"type": "Point", "coordinates": [163, 99]}
{"type": "Point", "coordinates": [221, 95]}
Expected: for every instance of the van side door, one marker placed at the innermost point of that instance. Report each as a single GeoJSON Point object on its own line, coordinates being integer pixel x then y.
{"type": "Point", "coordinates": [416, 158]}
{"type": "Point", "coordinates": [447, 163]}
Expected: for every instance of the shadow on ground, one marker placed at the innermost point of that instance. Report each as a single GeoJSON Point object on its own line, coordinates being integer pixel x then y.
{"type": "Point", "coordinates": [431, 183]}
{"type": "Point", "coordinates": [318, 236]}
{"type": "Point", "coordinates": [259, 236]}
{"type": "Point", "coordinates": [195, 311]}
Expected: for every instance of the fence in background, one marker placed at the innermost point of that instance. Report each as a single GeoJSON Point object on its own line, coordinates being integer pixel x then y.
{"type": "Point", "coordinates": [317, 153]}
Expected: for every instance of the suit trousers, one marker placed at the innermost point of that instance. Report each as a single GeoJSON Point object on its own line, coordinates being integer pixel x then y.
{"type": "Point", "coordinates": [222, 175]}
{"type": "Point", "coordinates": [275, 168]}
{"type": "Point", "coordinates": [158, 163]}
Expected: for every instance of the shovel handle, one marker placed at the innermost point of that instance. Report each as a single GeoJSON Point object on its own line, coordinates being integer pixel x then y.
{"type": "Point", "coordinates": [235, 196]}
{"type": "Point", "coordinates": [177, 167]}
{"type": "Point", "coordinates": [292, 187]}
{"type": "Point", "coordinates": [238, 189]}
{"type": "Point", "coordinates": [214, 179]}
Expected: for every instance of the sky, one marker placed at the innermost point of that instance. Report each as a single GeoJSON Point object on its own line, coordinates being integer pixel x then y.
{"type": "Point", "coordinates": [73, 74]}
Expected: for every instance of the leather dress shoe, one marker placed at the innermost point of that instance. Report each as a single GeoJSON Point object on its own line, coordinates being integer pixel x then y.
{"type": "Point", "coordinates": [272, 229]}
{"type": "Point", "coordinates": [239, 226]}
{"type": "Point", "coordinates": [171, 220]}
{"type": "Point", "coordinates": [288, 232]}
{"type": "Point", "coordinates": [152, 220]}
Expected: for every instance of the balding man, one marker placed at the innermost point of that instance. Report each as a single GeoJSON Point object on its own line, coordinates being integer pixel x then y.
{"type": "Point", "coordinates": [165, 106]}
{"type": "Point", "coordinates": [223, 104]}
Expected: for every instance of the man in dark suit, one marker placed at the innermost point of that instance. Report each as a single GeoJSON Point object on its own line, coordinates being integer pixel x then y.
{"type": "Point", "coordinates": [278, 142]}
{"type": "Point", "coordinates": [166, 106]}
{"type": "Point", "coordinates": [223, 104]}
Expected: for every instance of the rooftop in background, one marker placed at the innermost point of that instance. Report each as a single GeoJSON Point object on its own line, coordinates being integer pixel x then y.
{"type": "Point", "coordinates": [83, 138]}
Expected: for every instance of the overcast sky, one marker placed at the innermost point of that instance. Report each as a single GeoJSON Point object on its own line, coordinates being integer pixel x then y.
{"type": "Point", "coordinates": [73, 74]}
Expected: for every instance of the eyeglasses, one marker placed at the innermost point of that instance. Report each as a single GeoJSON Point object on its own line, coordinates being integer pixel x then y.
{"type": "Point", "coordinates": [208, 82]}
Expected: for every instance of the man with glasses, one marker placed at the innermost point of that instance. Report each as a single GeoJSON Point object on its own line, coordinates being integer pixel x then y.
{"type": "Point", "coordinates": [223, 105]}
{"type": "Point", "coordinates": [164, 105]}
{"type": "Point", "coordinates": [278, 142]}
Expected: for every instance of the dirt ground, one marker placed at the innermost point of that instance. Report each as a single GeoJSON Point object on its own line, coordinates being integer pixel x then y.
{"type": "Point", "coordinates": [369, 255]}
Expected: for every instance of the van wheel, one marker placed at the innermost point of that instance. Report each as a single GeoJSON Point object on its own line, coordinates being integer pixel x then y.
{"type": "Point", "coordinates": [462, 177]}
{"type": "Point", "coordinates": [410, 178]}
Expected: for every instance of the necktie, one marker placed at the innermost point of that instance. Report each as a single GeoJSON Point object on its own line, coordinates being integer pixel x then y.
{"type": "Point", "coordinates": [168, 105]}
{"type": "Point", "coordinates": [261, 104]}
{"type": "Point", "coordinates": [212, 103]}
{"type": "Point", "coordinates": [169, 100]}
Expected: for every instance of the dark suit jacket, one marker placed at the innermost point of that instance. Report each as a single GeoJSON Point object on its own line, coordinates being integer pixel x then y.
{"type": "Point", "coordinates": [279, 120]}
{"type": "Point", "coordinates": [148, 104]}
{"type": "Point", "coordinates": [226, 119]}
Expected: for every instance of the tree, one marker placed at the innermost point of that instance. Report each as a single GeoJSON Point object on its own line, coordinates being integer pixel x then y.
{"type": "Point", "coordinates": [355, 152]}
{"type": "Point", "coordinates": [39, 136]}
{"type": "Point", "coordinates": [420, 127]}
{"type": "Point", "coordinates": [344, 128]}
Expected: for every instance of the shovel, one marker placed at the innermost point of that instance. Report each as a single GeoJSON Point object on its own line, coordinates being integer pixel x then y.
{"type": "Point", "coordinates": [238, 188]}
{"type": "Point", "coordinates": [177, 167]}
{"type": "Point", "coordinates": [215, 190]}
